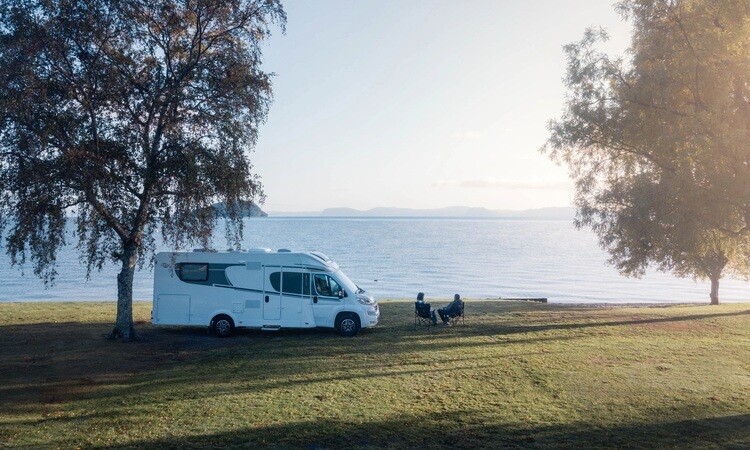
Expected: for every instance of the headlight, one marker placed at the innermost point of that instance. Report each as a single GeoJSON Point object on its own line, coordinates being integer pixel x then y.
{"type": "Point", "coordinates": [365, 300]}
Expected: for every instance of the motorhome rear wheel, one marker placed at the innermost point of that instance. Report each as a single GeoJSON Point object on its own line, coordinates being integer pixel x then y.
{"type": "Point", "coordinates": [222, 326]}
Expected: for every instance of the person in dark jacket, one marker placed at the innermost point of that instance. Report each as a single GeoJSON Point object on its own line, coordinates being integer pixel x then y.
{"type": "Point", "coordinates": [420, 300]}
{"type": "Point", "coordinates": [452, 310]}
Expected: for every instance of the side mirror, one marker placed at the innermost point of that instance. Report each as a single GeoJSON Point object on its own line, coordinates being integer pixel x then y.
{"type": "Point", "coordinates": [342, 293]}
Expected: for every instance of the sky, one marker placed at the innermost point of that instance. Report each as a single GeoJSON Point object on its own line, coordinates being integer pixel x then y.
{"type": "Point", "coordinates": [420, 104]}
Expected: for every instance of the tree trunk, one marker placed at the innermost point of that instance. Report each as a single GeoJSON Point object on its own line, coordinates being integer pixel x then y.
{"type": "Point", "coordinates": [714, 290]}
{"type": "Point", "coordinates": [124, 329]}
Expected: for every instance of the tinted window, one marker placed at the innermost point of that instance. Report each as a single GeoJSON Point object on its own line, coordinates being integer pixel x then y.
{"type": "Point", "coordinates": [276, 281]}
{"type": "Point", "coordinates": [193, 272]}
{"type": "Point", "coordinates": [292, 283]}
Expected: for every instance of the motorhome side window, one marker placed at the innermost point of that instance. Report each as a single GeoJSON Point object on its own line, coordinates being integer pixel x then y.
{"type": "Point", "coordinates": [291, 282]}
{"type": "Point", "coordinates": [275, 279]}
{"type": "Point", "coordinates": [192, 271]}
{"type": "Point", "coordinates": [326, 286]}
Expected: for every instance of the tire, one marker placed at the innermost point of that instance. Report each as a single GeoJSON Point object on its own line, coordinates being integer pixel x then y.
{"type": "Point", "coordinates": [347, 324]}
{"type": "Point", "coordinates": [222, 326]}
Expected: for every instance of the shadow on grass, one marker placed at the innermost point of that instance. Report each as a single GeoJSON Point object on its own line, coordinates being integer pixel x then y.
{"type": "Point", "coordinates": [479, 328]}
{"type": "Point", "coordinates": [468, 430]}
{"type": "Point", "coordinates": [232, 370]}
{"type": "Point", "coordinates": [47, 364]}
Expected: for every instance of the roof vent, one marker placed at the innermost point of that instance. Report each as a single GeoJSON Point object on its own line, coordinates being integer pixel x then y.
{"type": "Point", "coordinates": [260, 250]}
{"type": "Point", "coordinates": [284, 250]}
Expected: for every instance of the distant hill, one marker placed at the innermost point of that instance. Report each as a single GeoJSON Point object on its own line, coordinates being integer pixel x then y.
{"type": "Point", "coordinates": [451, 211]}
{"type": "Point", "coordinates": [247, 209]}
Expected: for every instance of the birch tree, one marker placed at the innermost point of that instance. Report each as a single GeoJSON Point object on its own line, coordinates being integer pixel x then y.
{"type": "Point", "coordinates": [136, 115]}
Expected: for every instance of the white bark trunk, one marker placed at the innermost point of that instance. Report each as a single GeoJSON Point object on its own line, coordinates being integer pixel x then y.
{"type": "Point", "coordinates": [124, 329]}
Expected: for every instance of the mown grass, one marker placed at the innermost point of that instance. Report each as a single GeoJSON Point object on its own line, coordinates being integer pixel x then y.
{"type": "Point", "coordinates": [515, 375]}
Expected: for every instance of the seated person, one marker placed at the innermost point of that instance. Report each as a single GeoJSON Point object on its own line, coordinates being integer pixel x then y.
{"type": "Point", "coordinates": [431, 312]}
{"type": "Point", "coordinates": [452, 310]}
{"type": "Point", "coordinates": [322, 287]}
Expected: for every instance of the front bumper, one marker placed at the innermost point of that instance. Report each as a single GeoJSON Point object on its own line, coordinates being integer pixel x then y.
{"type": "Point", "coordinates": [372, 315]}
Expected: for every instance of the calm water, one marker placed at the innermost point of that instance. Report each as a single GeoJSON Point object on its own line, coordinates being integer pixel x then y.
{"type": "Point", "coordinates": [396, 258]}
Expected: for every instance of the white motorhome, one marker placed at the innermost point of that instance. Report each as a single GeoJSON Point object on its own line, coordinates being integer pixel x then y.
{"type": "Point", "coordinates": [258, 289]}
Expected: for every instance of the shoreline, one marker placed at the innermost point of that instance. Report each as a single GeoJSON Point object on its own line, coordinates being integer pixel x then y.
{"type": "Point", "coordinates": [531, 301]}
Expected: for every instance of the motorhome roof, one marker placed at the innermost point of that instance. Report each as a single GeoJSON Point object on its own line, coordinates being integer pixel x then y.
{"type": "Point", "coordinates": [283, 257]}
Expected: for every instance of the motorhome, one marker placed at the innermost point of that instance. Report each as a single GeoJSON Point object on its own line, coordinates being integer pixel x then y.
{"type": "Point", "coordinates": [258, 288]}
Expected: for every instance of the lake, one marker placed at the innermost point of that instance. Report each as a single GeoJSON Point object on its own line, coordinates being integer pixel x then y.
{"type": "Point", "coordinates": [398, 257]}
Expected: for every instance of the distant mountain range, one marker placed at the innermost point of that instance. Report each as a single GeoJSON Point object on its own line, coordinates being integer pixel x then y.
{"type": "Point", "coordinates": [451, 211]}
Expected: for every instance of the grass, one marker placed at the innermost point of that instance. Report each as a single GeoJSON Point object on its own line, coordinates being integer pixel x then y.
{"type": "Point", "coordinates": [515, 375]}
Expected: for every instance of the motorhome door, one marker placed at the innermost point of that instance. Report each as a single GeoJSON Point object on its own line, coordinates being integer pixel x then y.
{"type": "Point", "coordinates": [272, 293]}
{"type": "Point", "coordinates": [326, 299]}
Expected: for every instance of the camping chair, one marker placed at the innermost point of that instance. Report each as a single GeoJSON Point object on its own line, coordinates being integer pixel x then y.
{"type": "Point", "coordinates": [422, 314]}
{"type": "Point", "coordinates": [454, 320]}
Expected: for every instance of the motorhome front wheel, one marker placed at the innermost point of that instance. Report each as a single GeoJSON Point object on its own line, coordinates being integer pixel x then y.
{"type": "Point", "coordinates": [348, 325]}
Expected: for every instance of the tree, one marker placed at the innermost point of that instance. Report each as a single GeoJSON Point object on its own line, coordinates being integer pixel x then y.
{"type": "Point", "coordinates": [659, 144]}
{"type": "Point", "coordinates": [135, 114]}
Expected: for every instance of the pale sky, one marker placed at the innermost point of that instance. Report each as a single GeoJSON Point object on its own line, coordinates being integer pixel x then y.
{"type": "Point", "coordinates": [420, 104]}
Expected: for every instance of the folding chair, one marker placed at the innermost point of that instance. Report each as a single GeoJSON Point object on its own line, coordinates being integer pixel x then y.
{"type": "Point", "coordinates": [422, 314]}
{"type": "Point", "coordinates": [454, 320]}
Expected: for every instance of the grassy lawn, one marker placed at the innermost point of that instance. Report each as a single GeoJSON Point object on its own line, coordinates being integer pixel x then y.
{"type": "Point", "coordinates": [515, 375]}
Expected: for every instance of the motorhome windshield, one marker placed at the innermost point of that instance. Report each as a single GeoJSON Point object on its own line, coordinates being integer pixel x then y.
{"type": "Point", "coordinates": [346, 282]}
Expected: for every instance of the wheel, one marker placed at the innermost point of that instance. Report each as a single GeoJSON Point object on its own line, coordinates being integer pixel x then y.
{"type": "Point", "coordinates": [348, 324]}
{"type": "Point", "coordinates": [222, 326]}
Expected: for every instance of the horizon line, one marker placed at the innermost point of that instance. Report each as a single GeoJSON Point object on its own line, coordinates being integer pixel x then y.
{"type": "Point", "coordinates": [405, 208]}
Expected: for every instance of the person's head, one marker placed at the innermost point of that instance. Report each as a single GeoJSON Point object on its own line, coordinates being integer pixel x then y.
{"type": "Point", "coordinates": [420, 297]}
{"type": "Point", "coordinates": [456, 297]}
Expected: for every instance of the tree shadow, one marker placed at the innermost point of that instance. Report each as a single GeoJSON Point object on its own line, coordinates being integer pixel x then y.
{"type": "Point", "coordinates": [469, 429]}
{"type": "Point", "coordinates": [73, 362]}
{"type": "Point", "coordinates": [477, 327]}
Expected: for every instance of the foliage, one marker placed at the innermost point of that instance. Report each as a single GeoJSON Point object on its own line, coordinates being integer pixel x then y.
{"type": "Point", "coordinates": [659, 144]}
{"type": "Point", "coordinates": [516, 375]}
{"type": "Point", "coordinates": [132, 114]}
